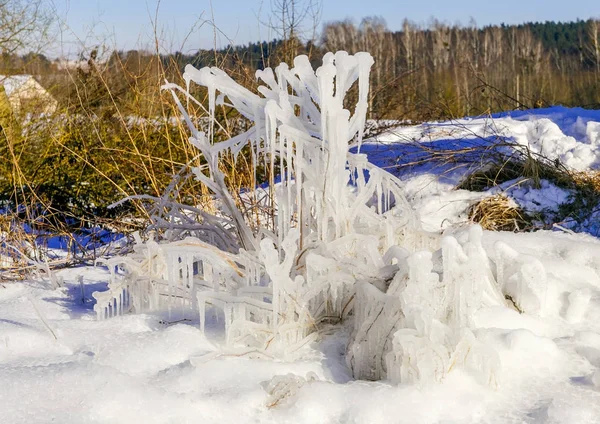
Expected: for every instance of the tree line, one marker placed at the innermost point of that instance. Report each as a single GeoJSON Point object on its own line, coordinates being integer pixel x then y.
{"type": "Point", "coordinates": [442, 70]}
{"type": "Point", "coordinates": [116, 132]}
{"type": "Point", "coordinates": [439, 70]}
{"type": "Point", "coordinates": [421, 72]}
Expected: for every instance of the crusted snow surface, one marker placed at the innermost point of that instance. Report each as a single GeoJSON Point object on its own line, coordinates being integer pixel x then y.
{"type": "Point", "coordinates": [59, 364]}
{"type": "Point", "coordinates": [545, 198]}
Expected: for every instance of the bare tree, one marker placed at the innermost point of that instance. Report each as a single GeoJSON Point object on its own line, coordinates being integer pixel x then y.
{"type": "Point", "coordinates": [24, 24]}
{"type": "Point", "coordinates": [293, 20]}
{"type": "Point", "coordinates": [593, 32]}
{"type": "Point", "coordinates": [342, 35]}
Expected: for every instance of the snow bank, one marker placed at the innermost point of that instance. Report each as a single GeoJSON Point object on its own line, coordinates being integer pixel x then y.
{"type": "Point", "coordinates": [570, 135]}
{"type": "Point", "coordinates": [135, 368]}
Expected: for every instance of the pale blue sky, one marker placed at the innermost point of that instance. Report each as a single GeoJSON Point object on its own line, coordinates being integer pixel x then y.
{"type": "Point", "coordinates": [127, 23]}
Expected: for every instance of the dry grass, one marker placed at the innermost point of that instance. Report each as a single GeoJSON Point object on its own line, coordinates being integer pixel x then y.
{"type": "Point", "coordinates": [499, 213]}
{"type": "Point", "coordinates": [115, 135]}
{"type": "Point", "coordinates": [15, 248]}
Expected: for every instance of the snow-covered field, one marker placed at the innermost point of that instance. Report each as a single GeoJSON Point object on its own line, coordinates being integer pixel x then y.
{"type": "Point", "coordinates": [59, 364]}
{"type": "Point", "coordinates": [570, 136]}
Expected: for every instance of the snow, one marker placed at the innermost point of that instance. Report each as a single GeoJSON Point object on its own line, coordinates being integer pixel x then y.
{"type": "Point", "coordinates": [547, 198]}
{"type": "Point", "coordinates": [14, 83]}
{"type": "Point", "coordinates": [570, 135]}
{"type": "Point", "coordinates": [135, 369]}
{"type": "Point", "coordinates": [565, 136]}
{"type": "Point", "coordinates": [369, 302]}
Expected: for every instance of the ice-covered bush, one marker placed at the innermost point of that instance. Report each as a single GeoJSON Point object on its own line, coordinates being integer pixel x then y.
{"type": "Point", "coordinates": [345, 243]}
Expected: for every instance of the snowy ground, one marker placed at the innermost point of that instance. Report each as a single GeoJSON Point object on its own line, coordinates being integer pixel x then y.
{"type": "Point", "coordinates": [569, 136]}
{"type": "Point", "coordinates": [58, 364]}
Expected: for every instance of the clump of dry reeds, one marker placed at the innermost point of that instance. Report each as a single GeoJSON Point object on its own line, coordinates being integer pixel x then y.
{"type": "Point", "coordinates": [15, 249]}
{"type": "Point", "coordinates": [499, 213]}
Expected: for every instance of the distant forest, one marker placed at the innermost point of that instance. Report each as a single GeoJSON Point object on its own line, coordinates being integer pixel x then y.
{"type": "Point", "coordinates": [421, 72]}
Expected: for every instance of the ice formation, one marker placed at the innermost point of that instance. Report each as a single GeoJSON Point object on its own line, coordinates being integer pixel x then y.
{"type": "Point", "coordinates": [345, 244]}
{"type": "Point", "coordinates": [283, 387]}
{"type": "Point", "coordinates": [523, 279]}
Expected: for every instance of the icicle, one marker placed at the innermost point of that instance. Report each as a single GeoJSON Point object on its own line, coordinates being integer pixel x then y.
{"type": "Point", "coordinates": [290, 177]}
